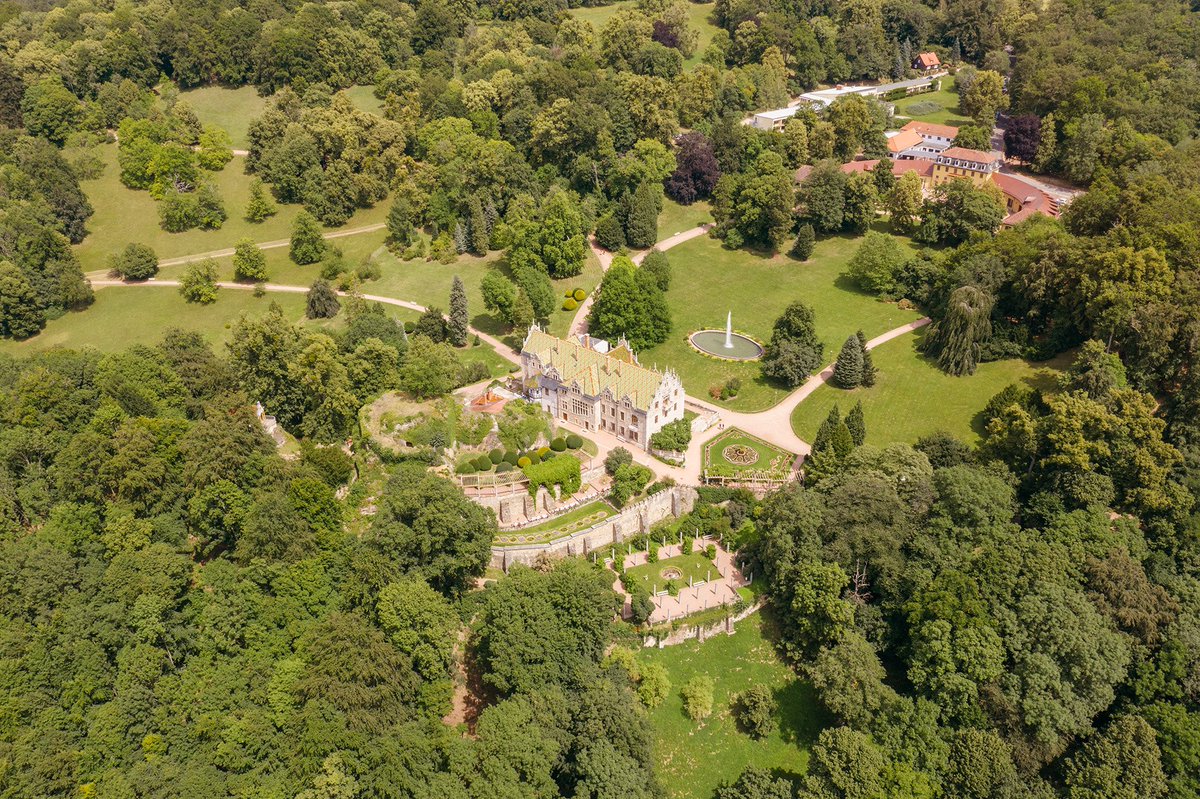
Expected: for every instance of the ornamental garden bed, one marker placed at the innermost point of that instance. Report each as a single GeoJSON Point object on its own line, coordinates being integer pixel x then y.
{"type": "Point", "coordinates": [675, 570]}
{"type": "Point", "coordinates": [736, 453]}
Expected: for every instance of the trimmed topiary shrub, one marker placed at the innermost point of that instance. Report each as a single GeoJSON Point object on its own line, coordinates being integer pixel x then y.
{"type": "Point", "coordinates": [503, 466]}
{"type": "Point", "coordinates": [533, 456]}
{"type": "Point", "coordinates": [574, 441]}
{"type": "Point", "coordinates": [496, 455]}
{"type": "Point", "coordinates": [483, 464]}
{"type": "Point", "coordinates": [522, 462]}
{"type": "Point", "coordinates": [543, 451]}
{"type": "Point", "coordinates": [580, 295]}
{"type": "Point", "coordinates": [559, 445]}
{"type": "Point", "coordinates": [569, 304]}
{"type": "Point", "coordinates": [466, 467]}
{"type": "Point", "coordinates": [511, 458]}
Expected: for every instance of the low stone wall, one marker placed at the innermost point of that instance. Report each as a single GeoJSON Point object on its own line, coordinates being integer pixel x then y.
{"type": "Point", "coordinates": [701, 634]}
{"type": "Point", "coordinates": [634, 520]}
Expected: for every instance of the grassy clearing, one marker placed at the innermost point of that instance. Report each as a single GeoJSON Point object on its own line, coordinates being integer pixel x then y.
{"type": "Point", "coordinates": [677, 569]}
{"type": "Point", "coordinates": [122, 316]}
{"type": "Point", "coordinates": [699, 18]}
{"type": "Point", "coordinates": [709, 280]}
{"type": "Point", "coordinates": [676, 218]}
{"type": "Point", "coordinates": [569, 523]}
{"type": "Point", "coordinates": [364, 99]}
{"type": "Point", "coordinates": [913, 398]}
{"type": "Point", "coordinates": [124, 215]}
{"type": "Point", "coordinates": [946, 97]}
{"type": "Point", "coordinates": [231, 109]}
{"type": "Point", "coordinates": [692, 759]}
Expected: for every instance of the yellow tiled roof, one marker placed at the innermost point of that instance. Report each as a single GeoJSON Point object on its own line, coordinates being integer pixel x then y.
{"type": "Point", "coordinates": [594, 371]}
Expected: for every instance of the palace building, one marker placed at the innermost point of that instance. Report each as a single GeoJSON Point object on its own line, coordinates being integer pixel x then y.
{"type": "Point", "coordinates": [585, 382]}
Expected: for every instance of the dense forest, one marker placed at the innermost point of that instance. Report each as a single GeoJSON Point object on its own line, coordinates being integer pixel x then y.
{"type": "Point", "coordinates": [188, 613]}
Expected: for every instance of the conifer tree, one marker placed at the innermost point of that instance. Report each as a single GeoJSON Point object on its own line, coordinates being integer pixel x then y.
{"type": "Point", "coordinates": [806, 240]}
{"type": "Point", "coordinates": [641, 228]}
{"type": "Point", "coordinates": [825, 431]}
{"type": "Point", "coordinates": [478, 229]}
{"type": "Point", "coordinates": [462, 237]}
{"type": "Point", "coordinates": [322, 301]}
{"type": "Point", "coordinates": [457, 329]}
{"type": "Point", "coordinates": [856, 423]}
{"type": "Point", "coordinates": [260, 206]}
{"type": "Point", "coordinates": [522, 312]}
{"type": "Point", "coordinates": [869, 372]}
{"type": "Point", "coordinates": [848, 370]}
{"type": "Point", "coordinates": [307, 245]}
{"type": "Point", "coordinates": [842, 441]}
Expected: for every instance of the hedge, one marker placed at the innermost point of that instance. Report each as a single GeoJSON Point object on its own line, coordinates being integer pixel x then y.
{"type": "Point", "coordinates": [574, 441]}
{"type": "Point", "coordinates": [564, 472]}
{"type": "Point", "coordinates": [559, 444]}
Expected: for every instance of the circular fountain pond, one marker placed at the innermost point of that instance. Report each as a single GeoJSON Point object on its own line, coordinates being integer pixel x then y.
{"type": "Point", "coordinates": [712, 342]}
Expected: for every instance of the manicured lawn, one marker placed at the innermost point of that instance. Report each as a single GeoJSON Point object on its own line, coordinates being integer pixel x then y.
{"type": "Point", "coordinates": [657, 575]}
{"type": "Point", "coordinates": [123, 316]}
{"type": "Point", "coordinates": [709, 280]}
{"type": "Point", "coordinates": [769, 458]}
{"type": "Point", "coordinates": [231, 109]}
{"type": "Point", "coordinates": [913, 398]}
{"type": "Point", "coordinates": [571, 522]}
{"type": "Point", "coordinates": [124, 215]}
{"type": "Point", "coordinates": [694, 759]}
{"type": "Point", "coordinates": [947, 98]}
{"type": "Point", "coordinates": [676, 218]}
{"type": "Point", "coordinates": [428, 283]}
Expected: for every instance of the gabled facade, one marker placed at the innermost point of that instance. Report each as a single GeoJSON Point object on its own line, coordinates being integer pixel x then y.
{"type": "Point", "coordinates": [592, 386]}
{"type": "Point", "coordinates": [927, 62]}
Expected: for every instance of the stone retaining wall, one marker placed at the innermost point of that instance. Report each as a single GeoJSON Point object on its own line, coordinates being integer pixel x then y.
{"type": "Point", "coordinates": [634, 520]}
{"type": "Point", "coordinates": [701, 634]}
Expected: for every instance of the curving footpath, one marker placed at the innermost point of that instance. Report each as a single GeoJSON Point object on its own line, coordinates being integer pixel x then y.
{"type": "Point", "coordinates": [773, 424]}
{"type": "Point", "coordinates": [500, 347]}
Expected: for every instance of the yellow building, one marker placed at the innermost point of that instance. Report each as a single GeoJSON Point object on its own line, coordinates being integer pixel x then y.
{"type": "Point", "coordinates": [959, 162]}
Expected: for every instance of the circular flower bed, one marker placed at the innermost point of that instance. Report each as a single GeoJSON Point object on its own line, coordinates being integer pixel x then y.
{"type": "Point", "coordinates": [670, 573]}
{"type": "Point", "coordinates": [740, 454]}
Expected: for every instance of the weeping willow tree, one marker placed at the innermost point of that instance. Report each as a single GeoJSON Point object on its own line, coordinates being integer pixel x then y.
{"type": "Point", "coordinates": [955, 340]}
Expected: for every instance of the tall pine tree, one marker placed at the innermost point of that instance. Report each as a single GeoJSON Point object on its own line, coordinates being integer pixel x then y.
{"type": "Point", "coordinates": [806, 240]}
{"type": "Point", "coordinates": [848, 370]}
{"type": "Point", "coordinates": [641, 227]}
{"type": "Point", "coordinates": [856, 423]}
{"type": "Point", "coordinates": [869, 372]}
{"type": "Point", "coordinates": [456, 331]}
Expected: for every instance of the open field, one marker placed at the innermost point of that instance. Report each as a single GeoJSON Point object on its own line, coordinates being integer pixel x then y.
{"type": "Point", "coordinates": [913, 398]}
{"type": "Point", "coordinates": [231, 109]}
{"type": "Point", "coordinates": [694, 759]}
{"type": "Point", "coordinates": [124, 215]}
{"type": "Point", "coordinates": [364, 99]}
{"type": "Point", "coordinates": [709, 280]}
{"type": "Point", "coordinates": [947, 98]}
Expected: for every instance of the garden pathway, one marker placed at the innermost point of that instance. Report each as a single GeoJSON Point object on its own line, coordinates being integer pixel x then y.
{"type": "Point", "coordinates": [773, 425]}
{"type": "Point", "coordinates": [579, 323]}
{"type": "Point", "coordinates": [502, 349]}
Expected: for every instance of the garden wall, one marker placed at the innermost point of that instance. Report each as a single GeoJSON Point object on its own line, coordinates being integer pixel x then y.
{"type": "Point", "coordinates": [701, 634]}
{"type": "Point", "coordinates": [634, 520]}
